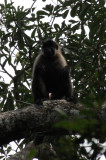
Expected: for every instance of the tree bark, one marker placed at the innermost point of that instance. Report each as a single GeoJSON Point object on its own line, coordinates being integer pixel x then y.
{"type": "Point", "coordinates": [36, 119]}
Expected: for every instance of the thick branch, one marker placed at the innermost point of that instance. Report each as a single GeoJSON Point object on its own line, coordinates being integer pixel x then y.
{"type": "Point", "coordinates": [20, 123]}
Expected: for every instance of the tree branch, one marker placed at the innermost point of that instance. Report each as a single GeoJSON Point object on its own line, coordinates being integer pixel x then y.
{"type": "Point", "coordinates": [39, 119]}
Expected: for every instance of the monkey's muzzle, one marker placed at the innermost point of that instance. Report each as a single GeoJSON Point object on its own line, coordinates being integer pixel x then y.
{"type": "Point", "coordinates": [49, 52]}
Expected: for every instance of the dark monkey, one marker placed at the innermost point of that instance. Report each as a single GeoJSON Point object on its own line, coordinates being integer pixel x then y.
{"type": "Point", "coordinates": [51, 74]}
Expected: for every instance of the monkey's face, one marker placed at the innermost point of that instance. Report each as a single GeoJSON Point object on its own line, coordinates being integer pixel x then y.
{"type": "Point", "coordinates": [49, 48]}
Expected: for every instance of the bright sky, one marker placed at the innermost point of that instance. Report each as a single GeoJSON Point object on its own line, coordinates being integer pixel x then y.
{"type": "Point", "coordinates": [28, 3]}
{"type": "Point", "coordinates": [39, 4]}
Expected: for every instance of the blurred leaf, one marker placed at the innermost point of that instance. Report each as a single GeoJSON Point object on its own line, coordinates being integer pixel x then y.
{"type": "Point", "coordinates": [87, 42]}
{"type": "Point", "coordinates": [84, 11]}
{"type": "Point", "coordinates": [74, 10]}
{"type": "Point", "coordinates": [31, 154]}
{"type": "Point", "coordinates": [68, 2]}
{"type": "Point", "coordinates": [9, 105]}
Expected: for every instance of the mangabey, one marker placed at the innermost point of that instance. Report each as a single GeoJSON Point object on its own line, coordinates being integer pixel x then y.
{"type": "Point", "coordinates": [51, 74]}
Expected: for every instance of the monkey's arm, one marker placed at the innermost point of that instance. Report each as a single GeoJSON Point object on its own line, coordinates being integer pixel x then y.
{"type": "Point", "coordinates": [39, 90]}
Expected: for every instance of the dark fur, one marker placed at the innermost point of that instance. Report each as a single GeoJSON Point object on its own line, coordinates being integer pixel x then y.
{"type": "Point", "coordinates": [51, 74]}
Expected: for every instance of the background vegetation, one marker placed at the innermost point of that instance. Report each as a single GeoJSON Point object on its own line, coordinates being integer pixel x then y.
{"type": "Point", "coordinates": [79, 27]}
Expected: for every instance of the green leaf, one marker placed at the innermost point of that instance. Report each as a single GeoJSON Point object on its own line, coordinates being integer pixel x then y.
{"type": "Point", "coordinates": [57, 27]}
{"type": "Point", "coordinates": [74, 10]}
{"type": "Point", "coordinates": [75, 27]}
{"type": "Point", "coordinates": [65, 14]}
{"type": "Point", "coordinates": [101, 31]}
{"type": "Point", "coordinates": [5, 2]}
{"type": "Point", "coordinates": [68, 2]}
{"type": "Point", "coordinates": [29, 27]}
{"type": "Point", "coordinates": [11, 44]}
{"type": "Point", "coordinates": [49, 8]}
{"type": "Point", "coordinates": [9, 105]}
{"type": "Point", "coordinates": [28, 40]}
{"type": "Point", "coordinates": [84, 10]}
{"type": "Point", "coordinates": [1, 157]}
{"type": "Point", "coordinates": [73, 21]}
{"type": "Point", "coordinates": [31, 154]}
{"type": "Point", "coordinates": [87, 42]}
{"type": "Point", "coordinates": [57, 8]}
{"type": "Point", "coordinates": [4, 63]}
{"type": "Point", "coordinates": [60, 1]}
{"type": "Point", "coordinates": [33, 33]}
{"type": "Point", "coordinates": [39, 13]}
{"type": "Point", "coordinates": [6, 49]}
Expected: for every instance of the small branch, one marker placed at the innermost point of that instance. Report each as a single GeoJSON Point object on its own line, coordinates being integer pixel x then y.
{"type": "Point", "coordinates": [6, 72]}
{"type": "Point", "coordinates": [33, 4]}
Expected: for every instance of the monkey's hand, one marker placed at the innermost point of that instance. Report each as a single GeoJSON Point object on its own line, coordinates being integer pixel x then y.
{"type": "Point", "coordinates": [50, 95]}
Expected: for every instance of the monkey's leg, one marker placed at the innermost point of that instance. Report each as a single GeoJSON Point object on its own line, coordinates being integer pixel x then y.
{"type": "Point", "coordinates": [39, 90]}
{"type": "Point", "coordinates": [65, 86]}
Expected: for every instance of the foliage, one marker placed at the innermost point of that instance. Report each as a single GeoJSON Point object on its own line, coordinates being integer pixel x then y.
{"type": "Point", "coordinates": [81, 33]}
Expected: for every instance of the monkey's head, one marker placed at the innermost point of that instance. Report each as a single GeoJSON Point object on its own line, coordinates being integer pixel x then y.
{"type": "Point", "coordinates": [49, 48]}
